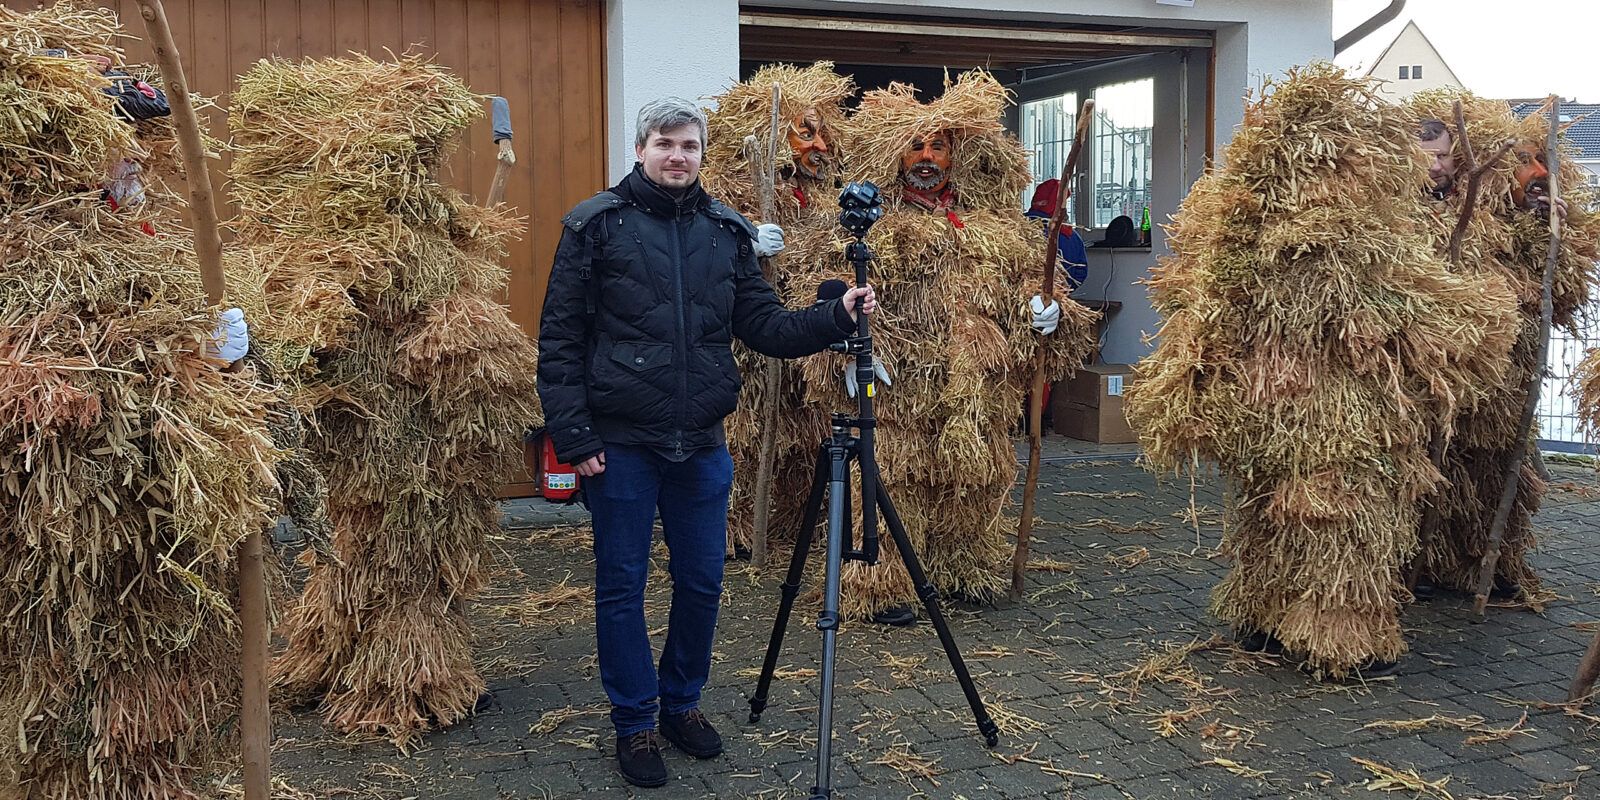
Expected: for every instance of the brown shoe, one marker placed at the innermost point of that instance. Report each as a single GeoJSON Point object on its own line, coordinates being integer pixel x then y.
{"type": "Point", "coordinates": [639, 758]}
{"type": "Point", "coordinates": [692, 733]}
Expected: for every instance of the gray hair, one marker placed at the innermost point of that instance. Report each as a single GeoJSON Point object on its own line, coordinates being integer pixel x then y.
{"type": "Point", "coordinates": [666, 114]}
{"type": "Point", "coordinates": [1430, 129]}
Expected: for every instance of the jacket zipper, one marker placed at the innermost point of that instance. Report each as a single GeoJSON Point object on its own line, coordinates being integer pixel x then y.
{"type": "Point", "coordinates": [683, 333]}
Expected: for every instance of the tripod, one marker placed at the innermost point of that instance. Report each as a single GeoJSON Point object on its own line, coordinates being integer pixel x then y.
{"type": "Point", "coordinates": [831, 479]}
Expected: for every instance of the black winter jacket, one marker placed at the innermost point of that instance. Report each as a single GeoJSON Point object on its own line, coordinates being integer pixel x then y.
{"type": "Point", "coordinates": [645, 297]}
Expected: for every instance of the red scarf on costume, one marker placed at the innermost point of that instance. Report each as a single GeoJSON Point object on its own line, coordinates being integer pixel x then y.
{"type": "Point", "coordinates": [944, 202]}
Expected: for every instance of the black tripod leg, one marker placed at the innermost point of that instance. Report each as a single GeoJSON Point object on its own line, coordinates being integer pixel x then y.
{"type": "Point", "coordinates": [930, 601]}
{"type": "Point", "coordinates": [791, 583]}
{"type": "Point", "coordinates": [828, 620]}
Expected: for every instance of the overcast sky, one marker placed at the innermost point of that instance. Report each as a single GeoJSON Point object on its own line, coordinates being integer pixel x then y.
{"type": "Point", "coordinates": [1496, 48]}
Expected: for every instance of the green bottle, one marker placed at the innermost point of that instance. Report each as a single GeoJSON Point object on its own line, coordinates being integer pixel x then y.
{"type": "Point", "coordinates": [1144, 228]}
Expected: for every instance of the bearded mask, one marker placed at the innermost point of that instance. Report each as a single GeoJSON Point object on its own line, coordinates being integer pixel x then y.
{"type": "Point", "coordinates": [1532, 178]}
{"type": "Point", "coordinates": [925, 165]}
{"type": "Point", "coordinates": [808, 140]}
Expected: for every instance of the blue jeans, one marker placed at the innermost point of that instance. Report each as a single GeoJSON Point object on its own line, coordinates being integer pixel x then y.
{"type": "Point", "coordinates": [692, 497]}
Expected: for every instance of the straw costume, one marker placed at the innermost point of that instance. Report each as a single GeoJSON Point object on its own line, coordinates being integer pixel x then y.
{"type": "Point", "coordinates": [131, 463]}
{"type": "Point", "coordinates": [1586, 390]}
{"type": "Point", "coordinates": [1312, 340]}
{"type": "Point", "coordinates": [382, 289]}
{"type": "Point", "coordinates": [1512, 243]}
{"type": "Point", "coordinates": [954, 330]}
{"type": "Point", "coordinates": [811, 117]}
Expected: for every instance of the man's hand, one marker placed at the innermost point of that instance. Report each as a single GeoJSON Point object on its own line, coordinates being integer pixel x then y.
{"type": "Point", "coordinates": [769, 240]}
{"type": "Point", "coordinates": [869, 300]}
{"type": "Point", "coordinates": [1045, 317]}
{"type": "Point", "coordinates": [1541, 206]}
{"type": "Point", "coordinates": [851, 386]}
{"type": "Point", "coordinates": [231, 340]}
{"type": "Point", "coordinates": [97, 64]}
{"type": "Point", "coordinates": [595, 465]}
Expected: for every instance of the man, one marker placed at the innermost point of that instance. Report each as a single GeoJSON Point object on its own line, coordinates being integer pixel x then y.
{"type": "Point", "coordinates": [808, 141]}
{"type": "Point", "coordinates": [1073, 257]}
{"type": "Point", "coordinates": [1437, 143]}
{"type": "Point", "coordinates": [925, 172]}
{"type": "Point", "coordinates": [651, 282]}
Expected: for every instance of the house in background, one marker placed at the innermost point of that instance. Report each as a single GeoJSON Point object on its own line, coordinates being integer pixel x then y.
{"type": "Point", "coordinates": [1411, 64]}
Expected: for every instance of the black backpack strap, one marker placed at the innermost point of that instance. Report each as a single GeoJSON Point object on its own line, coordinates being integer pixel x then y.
{"type": "Point", "coordinates": [589, 219]}
{"type": "Point", "coordinates": [736, 222]}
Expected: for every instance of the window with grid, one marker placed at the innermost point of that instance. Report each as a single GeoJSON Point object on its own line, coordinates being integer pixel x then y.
{"type": "Point", "coordinates": [1405, 72]}
{"type": "Point", "coordinates": [1047, 128]}
{"type": "Point", "coordinates": [1124, 116]}
{"type": "Point", "coordinates": [1416, 72]}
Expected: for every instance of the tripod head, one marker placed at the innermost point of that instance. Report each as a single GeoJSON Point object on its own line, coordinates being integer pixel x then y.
{"type": "Point", "coordinates": [859, 207]}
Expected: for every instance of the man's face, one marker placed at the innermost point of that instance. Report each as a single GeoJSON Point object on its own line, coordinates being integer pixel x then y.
{"type": "Point", "coordinates": [1532, 177]}
{"type": "Point", "coordinates": [671, 158]}
{"type": "Point", "coordinates": [809, 141]}
{"type": "Point", "coordinates": [925, 165]}
{"type": "Point", "coordinates": [1443, 167]}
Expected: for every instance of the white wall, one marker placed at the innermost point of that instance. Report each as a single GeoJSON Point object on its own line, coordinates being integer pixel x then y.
{"type": "Point", "coordinates": [656, 48]}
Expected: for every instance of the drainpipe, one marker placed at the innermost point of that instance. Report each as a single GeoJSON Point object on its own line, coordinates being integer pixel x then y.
{"type": "Point", "coordinates": [1365, 29]}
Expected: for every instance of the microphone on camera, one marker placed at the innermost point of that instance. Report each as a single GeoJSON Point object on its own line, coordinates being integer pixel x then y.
{"type": "Point", "coordinates": [831, 289]}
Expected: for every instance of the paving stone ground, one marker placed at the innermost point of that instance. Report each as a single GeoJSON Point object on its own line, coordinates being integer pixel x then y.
{"type": "Point", "coordinates": [1124, 583]}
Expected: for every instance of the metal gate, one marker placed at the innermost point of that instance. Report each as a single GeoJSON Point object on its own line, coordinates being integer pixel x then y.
{"type": "Point", "coordinates": [1557, 416]}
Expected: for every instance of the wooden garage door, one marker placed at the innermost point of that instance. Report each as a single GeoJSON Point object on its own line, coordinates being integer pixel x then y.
{"type": "Point", "coordinates": [546, 57]}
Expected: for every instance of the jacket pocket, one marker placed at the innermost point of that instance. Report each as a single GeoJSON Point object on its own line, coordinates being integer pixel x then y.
{"type": "Point", "coordinates": [633, 381]}
{"type": "Point", "coordinates": [642, 356]}
{"type": "Point", "coordinates": [719, 390]}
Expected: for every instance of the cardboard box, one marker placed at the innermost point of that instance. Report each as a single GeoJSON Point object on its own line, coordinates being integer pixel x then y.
{"type": "Point", "coordinates": [1091, 407]}
{"type": "Point", "coordinates": [1103, 425]}
{"type": "Point", "coordinates": [1092, 383]}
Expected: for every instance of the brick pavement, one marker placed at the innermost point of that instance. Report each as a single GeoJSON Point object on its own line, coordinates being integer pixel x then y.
{"type": "Point", "coordinates": [1125, 583]}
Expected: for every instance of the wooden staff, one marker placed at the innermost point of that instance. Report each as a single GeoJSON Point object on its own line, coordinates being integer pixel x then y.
{"type": "Point", "coordinates": [1469, 203]}
{"type": "Point", "coordinates": [255, 718]}
{"type": "Point", "coordinates": [1052, 244]}
{"type": "Point", "coordinates": [501, 117]}
{"type": "Point", "coordinates": [772, 379]}
{"type": "Point", "coordinates": [1588, 671]}
{"type": "Point", "coordinates": [1514, 461]}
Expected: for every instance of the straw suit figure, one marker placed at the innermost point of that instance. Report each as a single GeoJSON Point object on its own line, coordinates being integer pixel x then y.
{"type": "Point", "coordinates": [805, 204]}
{"type": "Point", "coordinates": [1507, 237]}
{"type": "Point", "coordinates": [1309, 360]}
{"type": "Point", "coordinates": [953, 255]}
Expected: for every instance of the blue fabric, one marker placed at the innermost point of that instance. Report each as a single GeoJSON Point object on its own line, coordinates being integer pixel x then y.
{"type": "Point", "coordinates": [1073, 256]}
{"type": "Point", "coordinates": [692, 497]}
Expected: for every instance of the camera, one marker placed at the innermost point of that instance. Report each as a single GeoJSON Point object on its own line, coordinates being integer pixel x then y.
{"type": "Point", "coordinates": [859, 207]}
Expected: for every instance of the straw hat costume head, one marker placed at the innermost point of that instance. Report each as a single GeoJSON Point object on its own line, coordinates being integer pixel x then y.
{"type": "Point", "coordinates": [954, 149]}
{"type": "Point", "coordinates": [810, 135]}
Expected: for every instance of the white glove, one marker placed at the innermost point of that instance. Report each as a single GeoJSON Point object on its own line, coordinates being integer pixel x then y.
{"type": "Point", "coordinates": [1045, 318]}
{"type": "Point", "coordinates": [769, 240]}
{"type": "Point", "coordinates": [850, 384]}
{"type": "Point", "coordinates": [231, 340]}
